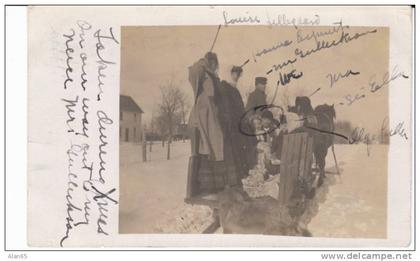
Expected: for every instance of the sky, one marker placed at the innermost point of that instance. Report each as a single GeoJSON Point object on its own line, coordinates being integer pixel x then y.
{"type": "Point", "coordinates": [153, 55]}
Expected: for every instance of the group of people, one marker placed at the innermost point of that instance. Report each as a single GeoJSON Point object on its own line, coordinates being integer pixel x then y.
{"type": "Point", "coordinates": [222, 138]}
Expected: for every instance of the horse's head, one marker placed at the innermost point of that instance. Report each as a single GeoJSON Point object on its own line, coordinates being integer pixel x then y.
{"type": "Point", "coordinates": [302, 105]}
{"type": "Point", "coordinates": [326, 109]}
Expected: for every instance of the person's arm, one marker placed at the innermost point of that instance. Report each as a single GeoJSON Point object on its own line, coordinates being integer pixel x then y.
{"type": "Point", "coordinates": [208, 87]}
{"type": "Point", "coordinates": [250, 103]}
{"type": "Point", "coordinates": [240, 101]}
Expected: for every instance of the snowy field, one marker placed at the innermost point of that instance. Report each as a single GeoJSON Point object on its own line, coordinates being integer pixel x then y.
{"type": "Point", "coordinates": [352, 204]}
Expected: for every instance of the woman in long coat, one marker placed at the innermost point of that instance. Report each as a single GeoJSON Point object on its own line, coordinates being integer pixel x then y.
{"type": "Point", "coordinates": [232, 110]}
{"type": "Point", "coordinates": [213, 172]}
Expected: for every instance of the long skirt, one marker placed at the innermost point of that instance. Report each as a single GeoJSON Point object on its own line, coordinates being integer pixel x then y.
{"type": "Point", "coordinates": [214, 176]}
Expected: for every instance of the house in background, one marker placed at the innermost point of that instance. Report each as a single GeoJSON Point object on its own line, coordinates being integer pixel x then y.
{"type": "Point", "coordinates": [181, 131]}
{"type": "Point", "coordinates": [130, 120]}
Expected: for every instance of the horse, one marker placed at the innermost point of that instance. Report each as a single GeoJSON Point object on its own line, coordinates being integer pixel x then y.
{"type": "Point", "coordinates": [321, 128]}
{"type": "Point", "coordinates": [323, 139]}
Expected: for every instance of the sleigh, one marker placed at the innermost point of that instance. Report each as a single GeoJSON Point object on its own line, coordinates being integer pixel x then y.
{"type": "Point", "coordinates": [297, 178]}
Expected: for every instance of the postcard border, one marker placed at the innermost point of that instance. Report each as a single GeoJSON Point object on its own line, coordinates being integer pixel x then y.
{"type": "Point", "coordinates": [207, 248]}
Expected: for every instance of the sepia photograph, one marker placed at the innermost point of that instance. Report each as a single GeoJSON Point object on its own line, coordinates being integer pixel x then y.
{"type": "Point", "coordinates": [252, 129]}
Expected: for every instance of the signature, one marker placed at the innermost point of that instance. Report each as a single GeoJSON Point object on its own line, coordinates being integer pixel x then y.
{"type": "Point", "coordinates": [338, 27]}
{"type": "Point", "coordinates": [350, 99]}
{"type": "Point", "coordinates": [321, 45]}
{"type": "Point", "coordinates": [284, 20]}
{"type": "Point", "coordinates": [285, 78]}
{"type": "Point", "coordinates": [398, 130]}
{"type": "Point", "coordinates": [240, 20]}
{"type": "Point", "coordinates": [374, 86]}
{"type": "Point", "coordinates": [324, 44]}
{"type": "Point", "coordinates": [335, 77]}
{"type": "Point", "coordinates": [386, 79]}
{"type": "Point", "coordinates": [279, 45]}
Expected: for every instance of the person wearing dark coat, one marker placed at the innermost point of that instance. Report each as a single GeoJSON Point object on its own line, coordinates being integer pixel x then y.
{"type": "Point", "coordinates": [255, 99]}
{"type": "Point", "coordinates": [258, 96]}
{"type": "Point", "coordinates": [231, 112]}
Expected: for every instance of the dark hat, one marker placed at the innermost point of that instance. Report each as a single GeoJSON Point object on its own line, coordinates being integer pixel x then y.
{"type": "Point", "coordinates": [304, 103]}
{"type": "Point", "coordinates": [236, 69]}
{"type": "Point", "coordinates": [261, 80]}
{"type": "Point", "coordinates": [211, 57]}
{"type": "Point", "coordinates": [268, 115]}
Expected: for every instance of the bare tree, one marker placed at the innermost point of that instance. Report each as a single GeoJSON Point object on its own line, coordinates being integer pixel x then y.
{"type": "Point", "coordinates": [170, 111]}
{"type": "Point", "coordinates": [185, 108]}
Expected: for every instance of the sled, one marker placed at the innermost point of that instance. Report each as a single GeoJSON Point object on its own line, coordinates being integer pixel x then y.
{"type": "Point", "coordinates": [296, 173]}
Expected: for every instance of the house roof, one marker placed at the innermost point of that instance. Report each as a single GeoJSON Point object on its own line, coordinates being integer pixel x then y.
{"type": "Point", "coordinates": [128, 104]}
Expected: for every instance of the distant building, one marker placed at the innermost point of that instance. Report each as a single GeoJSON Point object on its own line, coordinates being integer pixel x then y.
{"type": "Point", "coordinates": [181, 132]}
{"type": "Point", "coordinates": [130, 120]}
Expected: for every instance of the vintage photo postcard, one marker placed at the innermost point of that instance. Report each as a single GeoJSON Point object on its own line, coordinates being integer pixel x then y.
{"type": "Point", "coordinates": [220, 126]}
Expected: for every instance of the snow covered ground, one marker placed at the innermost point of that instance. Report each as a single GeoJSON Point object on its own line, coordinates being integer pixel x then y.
{"type": "Point", "coordinates": [352, 204]}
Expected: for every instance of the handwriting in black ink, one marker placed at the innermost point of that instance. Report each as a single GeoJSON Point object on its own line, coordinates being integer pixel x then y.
{"type": "Point", "coordinates": [85, 122]}
{"type": "Point", "coordinates": [285, 78]}
{"type": "Point", "coordinates": [277, 67]}
{"type": "Point", "coordinates": [84, 26]}
{"type": "Point", "coordinates": [70, 112]}
{"type": "Point", "coordinates": [323, 44]}
{"type": "Point", "coordinates": [103, 120]}
{"type": "Point", "coordinates": [71, 185]}
{"type": "Point", "coordinates": [69, 50]}
{"type": "Point", "coordinates": [83, 57]}
{"type": "Point", "coordinates": [102, 63]}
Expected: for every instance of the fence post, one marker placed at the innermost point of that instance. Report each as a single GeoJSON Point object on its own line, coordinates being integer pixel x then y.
{"type": "Point", "coordinates": [144, 144]}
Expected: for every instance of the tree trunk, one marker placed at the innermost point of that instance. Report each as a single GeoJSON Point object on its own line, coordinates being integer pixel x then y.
{"type": "Point", "coordinates": [168, 155]}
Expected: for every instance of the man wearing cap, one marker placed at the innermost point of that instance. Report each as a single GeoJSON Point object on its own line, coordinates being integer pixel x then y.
{"type": "Point", "coordinates": [255, 99]}
{"type": "Point", "coordinates": [258, 96]}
